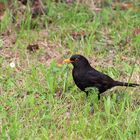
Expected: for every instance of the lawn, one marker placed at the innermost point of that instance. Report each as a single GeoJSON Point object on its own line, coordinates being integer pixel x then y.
{"type": "Point", "coordinates": [38, 98]}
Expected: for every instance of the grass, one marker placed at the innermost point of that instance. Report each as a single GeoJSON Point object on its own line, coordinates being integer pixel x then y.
{"type": "Point", "coordinates": [39, 99]}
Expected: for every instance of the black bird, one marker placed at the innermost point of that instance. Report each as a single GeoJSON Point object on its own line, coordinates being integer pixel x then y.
{"type": "Point", "coordinates": [85, 76]}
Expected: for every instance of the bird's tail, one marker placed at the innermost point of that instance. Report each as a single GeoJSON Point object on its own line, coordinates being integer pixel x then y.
{"type": "Point", "coordinates": [118, 83]}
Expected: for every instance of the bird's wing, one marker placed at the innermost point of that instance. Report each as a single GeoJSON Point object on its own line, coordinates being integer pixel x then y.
{"type": "Point", "coordinates": [98, 79]}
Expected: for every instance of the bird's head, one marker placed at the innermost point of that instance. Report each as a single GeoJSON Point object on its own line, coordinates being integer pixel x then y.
{"type": "Point", "coordinates": [77, 61]}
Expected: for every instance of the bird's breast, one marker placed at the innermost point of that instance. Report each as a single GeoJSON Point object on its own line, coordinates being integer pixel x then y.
{"type": "Point", "coordinates": [79, 79]}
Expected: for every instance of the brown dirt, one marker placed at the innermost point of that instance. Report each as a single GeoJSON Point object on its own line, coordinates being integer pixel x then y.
{"type": "Point", "coordinates": [49, 52]}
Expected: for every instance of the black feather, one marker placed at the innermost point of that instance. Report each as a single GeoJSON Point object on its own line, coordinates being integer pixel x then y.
{"type": "Point", "coordinates": [85, 76]}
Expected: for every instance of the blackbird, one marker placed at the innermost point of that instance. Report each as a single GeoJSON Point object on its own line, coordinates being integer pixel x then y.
{"type": "Point", "coordinates": [85, 76]}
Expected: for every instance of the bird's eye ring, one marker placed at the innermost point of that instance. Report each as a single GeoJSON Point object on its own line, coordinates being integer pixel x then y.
{"type": "Point", "coordinates": [76, 59]}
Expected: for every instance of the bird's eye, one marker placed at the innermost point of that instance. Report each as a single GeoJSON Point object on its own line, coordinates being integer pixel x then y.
{"type": "Point", "coordinates": [76, 59]}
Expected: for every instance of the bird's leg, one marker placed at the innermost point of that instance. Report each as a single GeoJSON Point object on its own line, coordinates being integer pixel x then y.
{"type": "Point", "coordinates": [99, 97]}
{"type": "Point", "coordinates": [87, 94]}
{"type": "Point", "coordinates": [91, 105]}
{"type": "Point", "coordinates": [92, 109]}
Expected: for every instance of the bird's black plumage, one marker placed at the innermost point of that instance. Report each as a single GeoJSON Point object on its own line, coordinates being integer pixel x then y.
{"type": "Point", "coordinates": [85, 76]}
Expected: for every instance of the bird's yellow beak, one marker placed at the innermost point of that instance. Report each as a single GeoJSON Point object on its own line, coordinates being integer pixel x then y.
{"type": "Point", "coordinates": [67, 61]}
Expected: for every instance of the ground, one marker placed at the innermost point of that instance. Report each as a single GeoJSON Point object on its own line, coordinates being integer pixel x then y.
{"type": "Point", "coordinates": [38, 97]}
